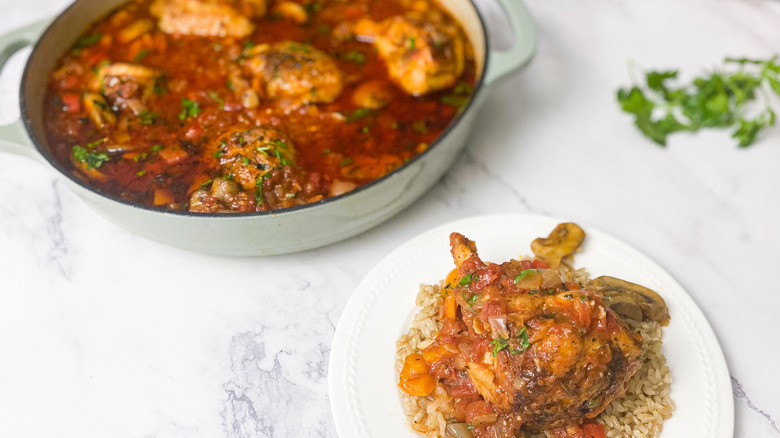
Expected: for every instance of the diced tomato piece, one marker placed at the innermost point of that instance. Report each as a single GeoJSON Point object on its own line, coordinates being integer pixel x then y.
{"type": "Point", "coordinates": [194, 132]}
{"type": "Point", "coordinates": [593, 430]}
{"type": "Point", "coordinates": [71, 102]}
{"type": "Point", "coordinates": [96, 58]}
{"type": "Point", "coordinates": [478, 409]}
{"type": "Point", "coordinates": [69, 82]}
{"type": "Point", "coordinates": [538, 264]}
{"type": "Point", "coordinates": [173, 154]}
{"type": "Point", "coordinates": [352, 12]}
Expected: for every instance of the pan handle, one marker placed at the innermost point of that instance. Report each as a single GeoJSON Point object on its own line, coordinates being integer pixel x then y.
{"type": "Point", "coordinates": [502, 64]}
{"type": "Point", "coordinates": [13, 137]}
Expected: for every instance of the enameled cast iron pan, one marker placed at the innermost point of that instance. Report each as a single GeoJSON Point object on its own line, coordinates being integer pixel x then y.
{"type": "Point", "coordinates": [262, 233]}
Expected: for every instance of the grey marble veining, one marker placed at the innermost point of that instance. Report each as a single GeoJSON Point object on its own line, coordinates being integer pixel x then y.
{"type": "Point", "coordinates": [104, 333]}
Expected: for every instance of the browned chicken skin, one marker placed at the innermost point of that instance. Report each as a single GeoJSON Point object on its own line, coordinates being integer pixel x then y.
{"type": "Point", "coordinates": [258, 166]}
{"type": "Point", "coordinates": [422, 54]}
{"type": "Point", "coordinates": [212, 18]}
{"type": "Point", "coordinates": [295, 72]}
{"type": "Point", "coordinates": [539, 352]}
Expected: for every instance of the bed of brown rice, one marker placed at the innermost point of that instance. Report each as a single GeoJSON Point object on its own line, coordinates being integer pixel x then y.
{"type": "Point", "coordinates": [640, 412]}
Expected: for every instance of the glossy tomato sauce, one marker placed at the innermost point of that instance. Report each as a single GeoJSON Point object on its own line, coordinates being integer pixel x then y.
{"type": "Point", "coordinates": [162, 155]}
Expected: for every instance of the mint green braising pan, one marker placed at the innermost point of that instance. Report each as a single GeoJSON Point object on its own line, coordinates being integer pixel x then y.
{"type": "Point", "coordinates": [262, 233]}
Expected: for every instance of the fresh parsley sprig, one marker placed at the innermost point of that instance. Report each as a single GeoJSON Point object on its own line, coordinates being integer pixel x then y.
{"type": "Point", "coordinates": [721, 99]}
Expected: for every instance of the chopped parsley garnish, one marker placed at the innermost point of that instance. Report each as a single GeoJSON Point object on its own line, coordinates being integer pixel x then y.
{"type": "Point", "coordinates": [522, 337]}
{"type": "Point", "coordinates": [147, 118]}
{"type": "Point", "coordinates": [358, 114]}
{"type": "Point", "coordinates": [420, 126]}
{"type": "Point", "coordinates": [460, 97]}
{"type": "Point", "coordinates": [215, 96]}
{"type": "Point", "coordinates": [141, 173]}
{"type": "Point", "coordinates": [355, 56]}
{"type": "Point", "coordinates": [141, 55]}
{"type": "Point", "coordinates": [467, 279]}
{"type": "Point", "coordinates": [463, 88]}
{"type": "Point", "coordinates": [455, 100]}
{"type": "Point", "coordinates": [569, 296]}
{"type": "Point", "coordinates": [412, 43]}
{"type": "Point", "coordinates": [523, 274]}
{"type": "Point", "coordinates": [259, 189]}
{"type": "Point", "coordinates": [300, 47]}
{"type": "Point", "coordinates": [470, 298]}
{"type": "Point", "coordinates": [498, 345]}
{"type": "Point", "coordinates": [93, 159]}
{"type": "Point", "coordinates": [521, 341]}
{"type": "Point", "coordinates": [346, 161]}
{"type": "Point", "coordinates": [86, 41]}
{"type": "Point", "coordinates": [157, 148]}
{"type": "Point", "coordinates": [160, 87]}
{"type": "Point", "coordinates": [190, 108]}
{"type": "Point", "coordinates": [206, 183]}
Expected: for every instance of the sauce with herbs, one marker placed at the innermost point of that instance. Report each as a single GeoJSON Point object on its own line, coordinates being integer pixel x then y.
{"type": "Point", "coordinates": [192, 104]}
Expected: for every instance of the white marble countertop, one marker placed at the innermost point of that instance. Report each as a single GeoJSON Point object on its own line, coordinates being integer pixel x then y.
{"type": "Point", "coordinates": [106, 334]}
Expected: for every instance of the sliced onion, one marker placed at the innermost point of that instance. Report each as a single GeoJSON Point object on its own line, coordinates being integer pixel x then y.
{"type": "Point", "coordinates": [550, 279]}
{"type": "Point", "coordinates": [484, 419]}
{"type": "Point", "coordinates": [459, 430]}
{"type": "Point", "coordinates": [498, 325]}
{"type": "Point", "coordinates": [340, 187]}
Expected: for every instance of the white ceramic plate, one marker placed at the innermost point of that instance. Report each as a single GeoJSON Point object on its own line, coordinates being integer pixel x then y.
{"type": "Point", "coordinates": [362, 380]}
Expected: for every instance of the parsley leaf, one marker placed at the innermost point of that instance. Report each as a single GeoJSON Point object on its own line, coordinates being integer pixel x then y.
{"type": "Point", "coordinates": [358, 114]}
{"type": "Point", "coordinates": [498, 345]}
{"type": "Point", "coordinates": [93, 159]}
{"type": "Point", "coordinates": [718, 99]}
{"type": "Point", "coordinates": [522, 337]}
{"type": "Point", "coordinates": [190, 108]}
{"type": "Point", "coordinates": [85, 41]}
{"type": "Point", "coordinates": [147, 118]}
{"type": "Point", "coordinates": [523, 274]}
{"type": "Point", "coordinates": [355, 56]}
{"type": "Point", "coordinates": [467, 279]}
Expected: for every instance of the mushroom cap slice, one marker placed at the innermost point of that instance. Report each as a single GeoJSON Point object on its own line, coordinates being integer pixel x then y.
{"type": "Point", "coordinates": [564, 240]}
{"type": "Point", "coordinates": [631, 300]}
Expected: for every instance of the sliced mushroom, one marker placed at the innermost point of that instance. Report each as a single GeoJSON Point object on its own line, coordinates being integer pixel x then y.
{"type": "Point", "coordinates": [631, 300]}
{"type": "Point", "coordinates": [98, 110]}
{"type": "Point", "coordinates": [564, 240]}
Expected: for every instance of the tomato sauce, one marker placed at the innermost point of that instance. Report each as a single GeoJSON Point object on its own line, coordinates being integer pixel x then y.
{"type": "Point", "coordinates": [162, 154]}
